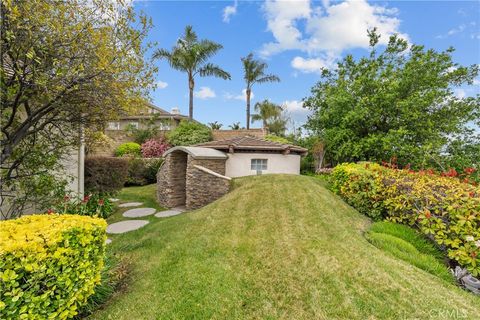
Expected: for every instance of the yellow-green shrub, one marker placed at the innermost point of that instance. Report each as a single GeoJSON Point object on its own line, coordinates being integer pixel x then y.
{"type": "Point", "coordinates": [49, 265]}
{"type": "Point", "coordinates": [443, 208]}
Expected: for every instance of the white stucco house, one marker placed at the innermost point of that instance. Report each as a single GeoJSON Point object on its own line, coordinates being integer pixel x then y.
{"type": "Point", "coordinates": [249, 155]}
{"type": "Point", "coordinates": [194, 176]}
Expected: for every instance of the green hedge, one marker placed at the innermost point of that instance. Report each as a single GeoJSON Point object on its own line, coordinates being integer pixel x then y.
{"type": "Point", "coordinates": [49, 265]}
{"type": "Point", "coordinates": [142, 171]}
{"type": "Point", "coordinates": [443, 208]}
{"type": "Point", "coordinates": [105, 174]}
{"type": "Point", "coordinates": [128, 149]}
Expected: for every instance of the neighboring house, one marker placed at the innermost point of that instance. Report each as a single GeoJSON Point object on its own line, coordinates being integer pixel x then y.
{"type": "Point", "coordinates": [195, 176]}
{"type": "Point", "coordinates": [144, 117]}
{"type": "Point", "coordinates": [229, 134]}
{"type": "Point", "coordinates": [150, 115]}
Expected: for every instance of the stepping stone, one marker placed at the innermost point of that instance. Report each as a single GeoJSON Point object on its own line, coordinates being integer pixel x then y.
{"type": "Point", "coordinates": [126, 226]}
{"type": "Point", "coordinates": [169, 213]}
{"type": "Point", "coordinates": [108, 241]}
{"type": "Point", "coordinates": [114, 199]}
{"type": "Point", "coordinates": [130, 204]}
{"type": "Point", "coordinates": [139, 212]}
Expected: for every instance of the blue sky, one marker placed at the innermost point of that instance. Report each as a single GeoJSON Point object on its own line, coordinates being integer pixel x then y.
{"type": "Point", "coordinates": [296, 38]}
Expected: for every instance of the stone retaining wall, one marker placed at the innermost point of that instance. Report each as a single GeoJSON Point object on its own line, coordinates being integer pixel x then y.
{"type": "Point", "coordinates": [203, 187]}
{"type": "Point", "coordinates": [171, 180]}
{"type": "Point", "coordinates": [181, 183]}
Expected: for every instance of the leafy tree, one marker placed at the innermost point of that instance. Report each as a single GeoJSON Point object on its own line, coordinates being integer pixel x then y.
{"type": "Point", "coordinates": [254, 72]}
{"type": "Point", "coordinates": [272, 117]}
{"type": "Point", "coordinates": [64, 65]}
{"type": "Point", "coordinates": [190, 55]}
{"type": "Point", "coordinates": [235, 126]}
{"type": "Point", "coordinates": [188, 133]}
{"type": "Point", "coordinates": [396, 103]}
{"type": "Point", "coordinates": [215, 125]}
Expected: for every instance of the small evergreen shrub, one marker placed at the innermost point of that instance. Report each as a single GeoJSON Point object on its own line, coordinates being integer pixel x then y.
{"type": "Point", "coordinates": [128, 149]}
{"type": "Point", "coordinates": [154, 148]}
{"type": "Point", "coordinates": [142, 171]}
{"type": "Point", "coordinates": [105, 175]}
{"type": "Point", "coordinates": [49, 265]}
{"type": "Point", "coordinates": [189, 133]}
{"type": "Point", "coordinates": [442, 207]}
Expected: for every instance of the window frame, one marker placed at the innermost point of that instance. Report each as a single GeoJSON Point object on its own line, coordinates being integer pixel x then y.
{"type": "Point", "coordinates": [114, 125]}
{"type": "Point", "coordinates": [257, 164]}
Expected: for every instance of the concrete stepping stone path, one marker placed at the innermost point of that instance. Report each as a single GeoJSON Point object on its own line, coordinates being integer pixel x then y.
{"type": "Point", "coordinates": [139, 212]}
{"type": "Point", "coordinates": [126, 226]}
{"type": "Point", "coordinates": [130, 204]}
{"type": "Point", "coordinates": [169, 213]}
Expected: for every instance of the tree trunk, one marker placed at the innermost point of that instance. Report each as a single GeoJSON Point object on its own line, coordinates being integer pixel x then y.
{"type": "Point", "coordinates": [191, 86]}
{"type": "Point", "coordinates": [248, 108]}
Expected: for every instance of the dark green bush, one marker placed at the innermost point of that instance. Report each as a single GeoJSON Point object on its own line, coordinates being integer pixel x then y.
{"type": "Point", "coordinates": [105, 175]}
{"type": "Point", "coordinates": [142, 171]}
{"type": "Point", "coordinates": [188, 133]}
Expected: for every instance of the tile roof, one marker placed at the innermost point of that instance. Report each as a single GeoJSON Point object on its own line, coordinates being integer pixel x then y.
{"type": "Point", "coordinates": [252, 144]}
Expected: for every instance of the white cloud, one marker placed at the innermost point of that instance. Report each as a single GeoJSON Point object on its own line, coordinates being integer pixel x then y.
{"type": "Point", "coordinates": [205, 93]}
{"type": "Point", "coordinates": [242, 96]}
{"type": "Point", "coordinates": [460, 93]}
{"type": "Point", "coordinates": [295, 110]}
{"type": "Point", "coordinates": [312, 65]}
{"type": "Point", "coordinates": [476, 82]}
{"type": "Point", "coordinates": [451, 32]}
{"type": "Point", "coordinates": [328, 28]}
{"type": "Point", "coordinates": [161, 84]}
{"type": "Point", "coordinates": [229, 11]}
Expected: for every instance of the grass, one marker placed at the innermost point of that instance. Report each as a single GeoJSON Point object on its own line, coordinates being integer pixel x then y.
{"type": "Point", "coordinates": [410, 246]}
{"type": "Point", "coordinates": [276, 247]}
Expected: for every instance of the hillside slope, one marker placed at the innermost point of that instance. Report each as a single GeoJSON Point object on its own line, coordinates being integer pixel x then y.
{"type": "Point", "coordinates": [276, 247]}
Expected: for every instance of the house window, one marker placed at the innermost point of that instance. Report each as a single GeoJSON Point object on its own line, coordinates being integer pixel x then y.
{"type": "Point", "coordinates": [258, 164]}
{"type": "Point", "coordinates": [114, 126]}
{"type": "Point", "coordinates": [134, 125]}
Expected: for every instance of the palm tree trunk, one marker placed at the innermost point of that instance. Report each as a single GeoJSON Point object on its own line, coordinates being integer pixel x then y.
{"type": "Point", "coordinates": [191, 86]}
{"type": "Point", "coordinates": [248, 108]}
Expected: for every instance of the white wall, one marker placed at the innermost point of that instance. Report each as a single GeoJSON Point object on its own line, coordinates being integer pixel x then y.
{"type": "Point", "coordinates": [239, 165]}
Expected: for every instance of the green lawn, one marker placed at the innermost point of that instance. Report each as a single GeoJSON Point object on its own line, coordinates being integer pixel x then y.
{"type": "Point", "coordinates": [276, 247]}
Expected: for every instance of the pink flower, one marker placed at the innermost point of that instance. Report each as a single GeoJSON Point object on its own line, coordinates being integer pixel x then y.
{"type": "Point", "coordinates": [86, 199]}
{"type": "Point", "coordinates": [154, 148]}
{"type": "Point", "coordinates": [101, 202]}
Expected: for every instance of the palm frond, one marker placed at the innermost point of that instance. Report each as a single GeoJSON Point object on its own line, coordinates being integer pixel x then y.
{"type": "Point", "coordinates": [268, 78]}
{"type": "Point", "coordinates": [213, 70]}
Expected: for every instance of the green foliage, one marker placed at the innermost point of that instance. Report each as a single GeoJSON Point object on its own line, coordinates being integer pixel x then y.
{"type": "Point", "coordinates": [71, 64]}
{"type": "Point", "coordinates": [274, 138]}
{"type": "Point", "coordinates": [142, 135]}
{"type": "Point", "coordinates": [235, 126]}
{"type": "Point", "coordinates": [93, 205]}
{"type": "Point", "coordinates": [254, 72]}
{"type": "Point", "coordinates": [128, 149]}
{"type": "Point", "coordinates": [142, 171]}
{"type": "Point", "coordinates": [189, 133]}
{"type": "Point", "coordinates": [272, 117]}
{"type": "Point", "coordinates": [190, 55]}
{"type": "Point", "coordinates": [376, 107]}
{"type": "Point", "coordinates": [215, 125]}
{"type": "Point", "coordinates": [105, 175]}
{"type": "Point", "coordinates": [443, 208]}
{"type": "Point", "coordinates": [406, 244]}
{"type": "Point", "coordinates": [49, 265]}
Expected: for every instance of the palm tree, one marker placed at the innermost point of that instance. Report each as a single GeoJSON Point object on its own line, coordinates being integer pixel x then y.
{"type": "Point", "coordinates": [235, 126]}
{"type": "Point", "coordinates": [266, 111]}
{"type": "Point", "coordinates": [215, 125]}
{"type": "Point", "coordinates": [254, 72]}
{"type": "Point", "coordinates": [190, 55]}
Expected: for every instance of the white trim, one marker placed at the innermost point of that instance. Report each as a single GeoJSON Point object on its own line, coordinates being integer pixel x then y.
{"type": "Point", "coordinates": [213, 173]}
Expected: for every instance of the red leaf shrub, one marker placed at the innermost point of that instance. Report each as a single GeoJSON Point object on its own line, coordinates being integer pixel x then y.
{"type": "Point", "coordinates": [154, 148]}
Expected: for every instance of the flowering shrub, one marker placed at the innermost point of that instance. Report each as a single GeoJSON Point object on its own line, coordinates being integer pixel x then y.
{"type": "Point", "coordinates": [154, 148]}
{"type": "Point", "coordinates": [128, 149]}
{"type": "Point", "coordinates": [49, 265]}
{"type": "Point", "coordinates": [444, 208]}
{"type": "Point", "coordinates": [90, 205]}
